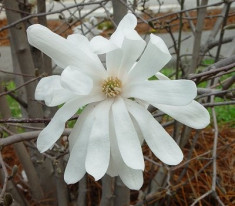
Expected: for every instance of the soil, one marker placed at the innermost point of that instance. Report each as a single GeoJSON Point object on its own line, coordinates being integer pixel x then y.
{"type": "Point", "coordinates": [192, 185]}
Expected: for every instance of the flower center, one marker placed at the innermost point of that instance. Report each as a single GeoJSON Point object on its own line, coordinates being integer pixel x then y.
{"type": "Point", "coordinates": [111, 86]}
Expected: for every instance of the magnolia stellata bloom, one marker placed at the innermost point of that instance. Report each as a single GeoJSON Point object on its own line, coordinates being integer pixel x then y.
{"type": "Point", "coordinates": [107, 136]}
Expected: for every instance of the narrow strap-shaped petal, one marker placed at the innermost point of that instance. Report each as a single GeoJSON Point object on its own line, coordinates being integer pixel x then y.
{"type": "Point", "coordinates": [112, 170]}
{"type": "Point", "coordinates": [128, 23]}
{"type": "Point", "coordinates": [169, 92]}
{"type": "Point", "coordinates": [98, 152]}
{"type": "Point", "coordinates": [61, 50]}
{"type": "Point", "coordinates": [55, 128]}
{"type": "Point", "coordinates": [120, 61]}
{"type": "Point", "coordinates": [75, 168]}
{"type": "Point", "coordinates": [193, 115]}
{"type": "Point", "coordinates": [127, 137]}
{"type": "Point", "coordinates": [49, 89]}
{"type": "Point", "coordinates": [154, 58]}
{"type": "Point", "coordinates": [76, 81]}
{"type": "Point", "coordinates": [101, 45]}
{"type": "Point", "coordinates": [78, 125]}
{"type": "Point", "coordinates": [132, 178]}
{"type": "Point", "coordinates": [82, 45]}
{"type": "Point", "coordinates": [158, 140]}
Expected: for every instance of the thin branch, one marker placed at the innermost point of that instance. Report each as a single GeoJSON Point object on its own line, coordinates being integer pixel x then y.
{"type": "Point", "coordinates": [201, 197]}
{"type": "Point", "coordinates": [26, 83]}
{"type": "Point", "coordinates": [219, 104]}
{"type": "Point", "coordinates": [48, 13]}
{"type": "Point", "coordinates": [5, 177]}
{"type": "Point", "coordinates": [211, 72]}
{"type": "Point", "coordinates": [24, 136]}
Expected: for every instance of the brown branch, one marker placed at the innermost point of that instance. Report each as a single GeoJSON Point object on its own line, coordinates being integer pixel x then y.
{"type": "Point", "coordinates": [211, 72]}
{"type": "Point", "coordinates": [5, 177]}
{"type": "Point", "coordinates": [26, 83]}
{"type": "Point", "coordinates": [17, 74]}
{"type": "Point", "coordinates": [219, 104]}
{"type": "Point", "coordinates": [24, 137]}
{"type": "Point", "coordinates": [48, 13]}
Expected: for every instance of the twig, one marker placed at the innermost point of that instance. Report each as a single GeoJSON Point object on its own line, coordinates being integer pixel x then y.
{"type": "Point", "coordinates": [201, 197]}
{"type": "Point", "coordinates": [24, 136]}
{"type": "Point", "coordinates": [5, 177]}
{"type": "Point", "coordinates": [47, 13]}
{"type": "Point", "coordinates": [218, 104]}
{"type": "Point", "coordinates": [26, 83]}
{"type": "Point", "coordinates": [211, 72]}
{"type": "Point", "coordinates": [17, 74]}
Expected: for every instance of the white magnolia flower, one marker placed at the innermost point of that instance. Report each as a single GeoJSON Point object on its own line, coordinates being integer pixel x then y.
{"type": "Point", "coordinates": [108, 135]}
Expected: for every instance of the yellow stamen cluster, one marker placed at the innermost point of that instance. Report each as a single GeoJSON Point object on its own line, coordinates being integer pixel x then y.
{"type": "Point", "coordinates": [111, 86]}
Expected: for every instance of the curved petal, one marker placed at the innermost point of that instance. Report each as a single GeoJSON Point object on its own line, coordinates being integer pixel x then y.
{"type": "Point", "coordinates": [75, 168]}
{"type": "Point", "coordinates": [61, 50]}
{"type": "Point", "coordinates": [50, 90]}
{"type": "Point", "coordinates": [161, 76]}
{"type": "Point", "coordinates": [132, 178]}
{"type": "Point", "coordinates": [81, 42]}
{"type": "Point", "coordinates": [128, 23]}
{"type": "Point", "coordinates": [155, 56]}
{"type": "Point", "coordinates": [82, 45]}
{"type": "Point", "coordinates": [55, 128]}
{"type": "Point", "coordinates": [112, 170]}
{"type": "Point", "coordinates": [127, 137]}
{"type": "Point", "coordinates": [193, 115]}
{"type": "Point", "coordinates": [158, 140]}
{"type": "Point", "coordinates": [101, 45]}
{"type": "Point", "coordinates": [76, 81]}
{"type": "Point", "coordinates": [98, 152]}
{"type": "Point", "coordinates": [78, 125]}
{"type": "Point", "coordinates": [52, 45]}
{"type": "Point", "coordinates": [169, 92]}
{"type": "Point", "coordinates": [120, 61]}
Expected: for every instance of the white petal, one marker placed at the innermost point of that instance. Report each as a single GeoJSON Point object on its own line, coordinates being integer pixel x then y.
{"type": "Point", "coordinates": [122, 60]}
{"type": "Point", "coordinates": [79, 124]}
{"type": "Point", "coordinates": [51, 44]}
{"type": "Point", "coordinates": [155, 56]}
{"type": "Point", "coordinates": [193, 115]}
{"type": "Point", "coordinates": [55, 128]}
{"type": "Point", "coordinates": [161, 76]}
{"type": "Point", "coordinates": [128, 23]}
{"type": "Point", "coordinates": [169, 92]}
{"type": "Point", "coordinates": [127, 137]}
{"type": "Point", "coordinates": [82, 44]}
{"type": "Point", "coordinates": [158, 140]}
{"type": "Point", "coordinates": [98, 152]}
{"type": "Point", "coordinates": [132, 178]}
{"type": "Point", "coordinates": [50, 90]}
{"type": "Point", "coordinates": [76, 81]}
{"type": "Point", "coordinates": [75, 168]}
{"type": "Point", "coordinates": [138, 130]}
{"type": "Point", "coordinates": [112, 169]}
{"type": "Point", "coordinates": [100, 45]}
{"type": "Point", "coordinates": [61, 50]}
